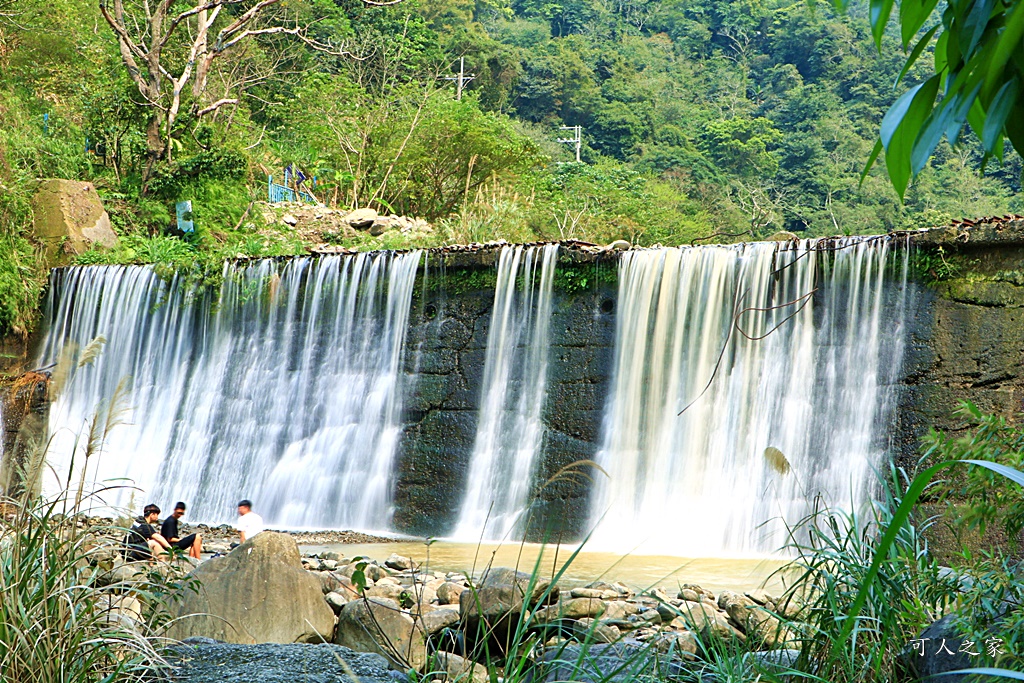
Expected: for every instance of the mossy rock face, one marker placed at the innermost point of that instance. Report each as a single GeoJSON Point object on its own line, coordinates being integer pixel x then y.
{"type": "Point", "coordinates": [445, 358]}
{"type": "Point", "coordinates": [69, 219]}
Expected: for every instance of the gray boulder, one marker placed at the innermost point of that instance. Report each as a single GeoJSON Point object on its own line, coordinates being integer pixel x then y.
{"type": "Point", "coordinates": [380, 625]}
{"type": "Point", "coordinates": [925, 656]}
{"type": "Point", "coordinates": [621, 662]}
{"type": "Point", "coordinates": [204, 661]}
{"type": "Point", "coordinates": [501, 592]}
{"type": "Point", "coordinates": [258, 593]}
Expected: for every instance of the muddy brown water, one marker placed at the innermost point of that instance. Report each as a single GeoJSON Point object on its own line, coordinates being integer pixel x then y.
{"type": "Point", "coordinates": [636, 571]}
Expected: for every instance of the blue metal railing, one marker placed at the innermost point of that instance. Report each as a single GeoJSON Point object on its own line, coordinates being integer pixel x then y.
{"type": "Point", "coordinates": [281, 193]}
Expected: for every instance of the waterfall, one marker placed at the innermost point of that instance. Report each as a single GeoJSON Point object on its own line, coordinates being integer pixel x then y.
{"type": "Point", "coordinates": [282, 386]}
{"type": "Point", "coordinates": [818, 387]}
{"type": "Point", "coordinates": [509, 428]}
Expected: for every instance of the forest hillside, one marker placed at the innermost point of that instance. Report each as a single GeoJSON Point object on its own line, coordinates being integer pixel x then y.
{"type": "Point", "coordinates": [698, 120]}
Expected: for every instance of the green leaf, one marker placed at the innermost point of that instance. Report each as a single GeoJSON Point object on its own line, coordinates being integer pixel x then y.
{"type": "Point", "coordinates": [1008, 42]}
{"type": "Point", "coordinates": [879, 11]}
{"type": "Point", "coordinates": [913, 14]}
{"type": "Point", "coordinates": [987, 671]}
{"type": "Point", "coordinates": [1015, 127]}
{"type": "Point", "coordinates": [875, 151]}
{"type": "Point", "coordinates": [893, 117]}
{"type": "Point", "coordinates": [899, 517]}
{"type": "Point", "coordinates": [918, 49]}
{"type": "Point", "coordinates": [940, 52]}
{"type": "Point", "coordinates": [998, 111]}
{"type": "Point", "coordinates": [1010, 473]}
{"type": "Point", "coordinates": [902, 124]}
{"type": "Point", "coordinates": [975, 23]}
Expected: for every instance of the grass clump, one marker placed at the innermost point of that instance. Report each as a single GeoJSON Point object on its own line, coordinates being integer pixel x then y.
{"type": "Point", "coordinates": [58, 623]}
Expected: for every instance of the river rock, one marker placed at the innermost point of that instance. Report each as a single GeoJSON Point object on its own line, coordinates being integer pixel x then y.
{"type": "Point", "coordinates": [574, 608]}
{"type": "Point", "coordinates": [701, 617]}
{"type": "Point", "coordinates": [396, 561]}
{"type": "Point", "coordinates": [456, 668]}
{"type": "Point", "coordinates": [930, 659]}
{"type": "Point", "coordinates": [594, 593]}
{"type": "Point", "coordinates": [755, 621]}
{"type": "Point", "coordinates": [593, 631]}
{"type": "Point", "coordinates": [121, 610]}
{"type": "Point", "coordinates": [448, 593]}
{"type": "Point", "coordinates": [619, 609]}
{"type": "Point", "coordinates": [683, 643]}
{"type": "Point", "coordinates": [501, 592]}
{"type": "Point", "coordinates": [389, 591]}
{"type": "Point", "coordinates": [438, 619]}
{"type": "Point", "coordinates": [336, 601]}
{"type": "Point", "coordinates": [361, 219]}
{"type": "Point", "coordinates": [380, 625]}
{"type": "Point", "coordinates": [258, 593]}
{"type": "Point", "coordinates": [206, 661]}
{"type": "Point", "coordinates": [620, 662]}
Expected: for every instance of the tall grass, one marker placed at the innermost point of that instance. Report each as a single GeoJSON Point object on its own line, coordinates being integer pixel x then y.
{"type": "Point", "coordinates": [57, 623]}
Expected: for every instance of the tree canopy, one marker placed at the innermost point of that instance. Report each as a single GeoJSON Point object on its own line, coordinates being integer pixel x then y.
{"type": "Point", "coordinates": [700, 118]}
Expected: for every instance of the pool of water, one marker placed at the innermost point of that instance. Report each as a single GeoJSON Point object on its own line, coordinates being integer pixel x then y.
{"type": "Point", "coordinates": [636, 571]}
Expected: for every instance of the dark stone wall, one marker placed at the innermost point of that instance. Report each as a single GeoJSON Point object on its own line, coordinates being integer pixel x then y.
{"type": "Point", "coordinates": [444, 365]}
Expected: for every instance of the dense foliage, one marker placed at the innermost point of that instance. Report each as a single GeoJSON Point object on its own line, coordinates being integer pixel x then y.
{"type": "Point", "coordinates": [978, 67]}
{"type": "Point", "coordinates": [700, 119]}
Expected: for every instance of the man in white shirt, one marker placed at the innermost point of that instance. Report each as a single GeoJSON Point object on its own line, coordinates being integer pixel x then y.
{"type": "Point", "coordinates": [249, 523]}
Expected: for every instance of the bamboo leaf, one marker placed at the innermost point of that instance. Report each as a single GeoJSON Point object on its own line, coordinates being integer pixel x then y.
{"type": "Point", "coordinates": [875, 151]}
{"type": "Point", "coordinates": [975, 23]}
{"type": "Point", "coordinates": [1008, 42]}
{"type": "Point", "coordinates": [879, 11]}
{"type": "Point", "coordinates": [918, 49]}
{"type": "Point", "coordinates": [998, 112]}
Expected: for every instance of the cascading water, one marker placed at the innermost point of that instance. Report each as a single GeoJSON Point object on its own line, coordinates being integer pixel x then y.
{"type": "Point", "coordinates": [808, 369]}
{"type": "Point", "coordinates": [509, 429]}
{"type": "Point", "coordinates": [282, 387]}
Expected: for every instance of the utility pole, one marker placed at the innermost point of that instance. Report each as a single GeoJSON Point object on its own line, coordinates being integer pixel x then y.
{"type": "Point", "coordinates": [576, 139]}
{"type": "Point", "coordinates": [462, 79]}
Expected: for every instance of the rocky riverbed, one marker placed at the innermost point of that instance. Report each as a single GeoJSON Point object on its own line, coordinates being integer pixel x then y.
{"type": "Point", "coordinates": [448, 624]}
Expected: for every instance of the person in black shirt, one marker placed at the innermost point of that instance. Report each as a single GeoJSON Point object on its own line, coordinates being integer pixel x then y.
{"type": "Point", "coordinates": [143, 542]}
{"type": "Point", "coordinates": [193, 543]}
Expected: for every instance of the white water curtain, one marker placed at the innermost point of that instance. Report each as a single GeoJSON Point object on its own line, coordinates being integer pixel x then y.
{"type": "Point", "coordinates": [818, 388]}
{"type": "Point", "coordinates": [281, 387]}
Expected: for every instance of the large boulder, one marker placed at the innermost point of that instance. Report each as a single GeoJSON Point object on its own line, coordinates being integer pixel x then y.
{"type": "Point", "coordinates": [936, 651]}
{"type": "Point", "coordinates": [203, 661]}
{"type": "Point", "coordinates": [380, 625]}
{"type": "Point", "coordinates": [361, 219]}
{"type": "Point", "coordinates": [258, 593]}
{"type": "Point", "coordinates": [503, 591]}
{"type": "Point", "coordinates": [68, 218]}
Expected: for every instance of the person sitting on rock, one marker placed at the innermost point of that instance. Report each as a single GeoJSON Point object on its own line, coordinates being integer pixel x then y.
{"type": "Point", "coordinates": [193, 543]}
{"type": "Point", "coordinates": [142, 541]}
{"type": "Point", "coordinates": [249, 523]}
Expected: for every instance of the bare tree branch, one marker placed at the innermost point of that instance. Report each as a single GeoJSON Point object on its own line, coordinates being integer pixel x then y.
{"type": "Point", "coordinates": [215, 106]}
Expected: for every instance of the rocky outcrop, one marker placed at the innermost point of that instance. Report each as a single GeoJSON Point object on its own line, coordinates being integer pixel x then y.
{"type": "Point", "coordinates": [445, 358]}
{"type": "Point", "coordinates": [258, 593]}
{"type": "Point", "coordinates": [25, 411]}
{"type": "Point", "coordinates": [69, 219]}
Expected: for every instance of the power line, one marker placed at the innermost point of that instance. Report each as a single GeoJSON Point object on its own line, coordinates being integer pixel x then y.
{"type": "Point", "coordinates": [576, 139]}
{"type": "Point", "coordinates": [462, 79]}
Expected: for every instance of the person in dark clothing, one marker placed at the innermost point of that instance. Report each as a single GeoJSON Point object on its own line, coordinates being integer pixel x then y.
{"type": "Point", "coordinates": [142, 541]}
{"type": "Point", "coordinates": [193, 543]}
